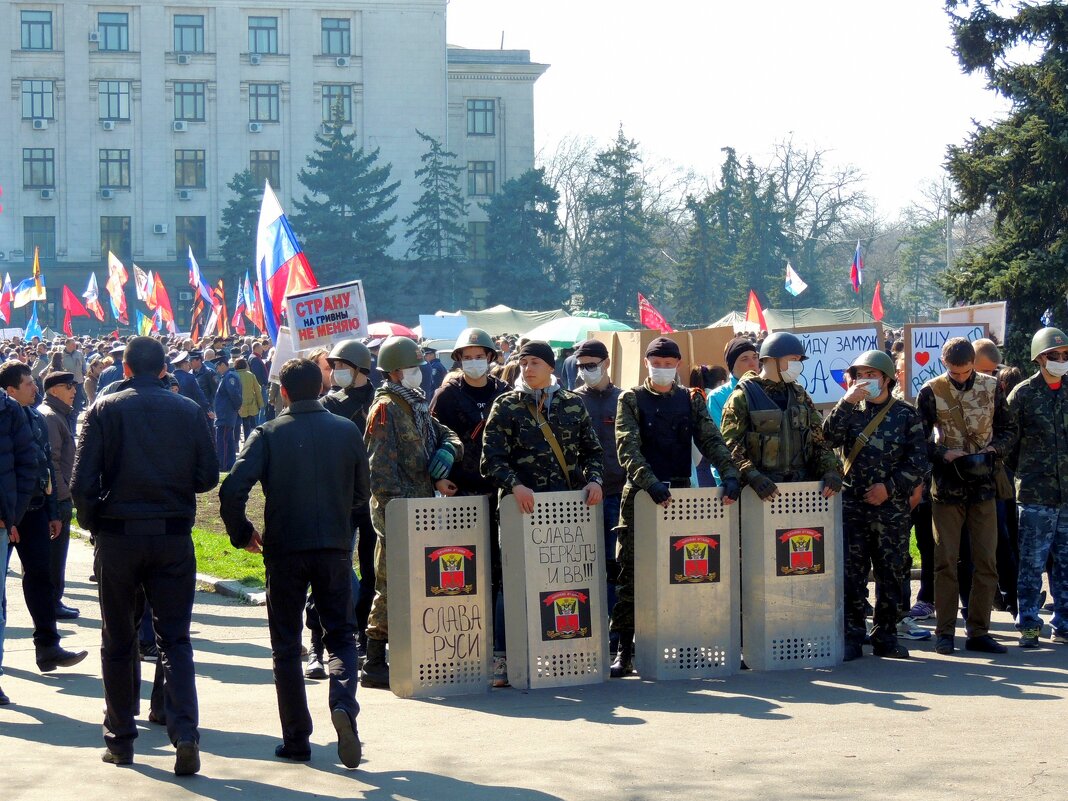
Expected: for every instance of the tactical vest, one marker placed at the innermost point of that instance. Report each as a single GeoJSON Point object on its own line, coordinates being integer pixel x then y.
{"type": "Point", "coordinates": [977, 407]}
{"type": "Point", "coordinates": [667, 432]}
{"type": "Point", "coordinates": [778, 439]}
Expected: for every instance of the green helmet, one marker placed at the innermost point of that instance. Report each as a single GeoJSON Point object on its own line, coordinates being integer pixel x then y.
{"type": "Point", "coordinates": [474, 337]}
{"type": "Point", "coordinates": [875, 359]}
{"type": "Point", "coordinates": [352, 351]}
{"type": "Point", "coordinates": [781, 344]}
{"type": "Point", "coordinates": [1047, 339]}
{"type": "Point", "coordinates": [397, 353]}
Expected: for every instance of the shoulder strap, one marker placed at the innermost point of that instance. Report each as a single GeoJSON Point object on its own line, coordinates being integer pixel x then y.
{"type": "Point", "coordinates": [940, 387]}
{"type": "Point", "coordinates": [865, 436]}
{"type": "Point", "coordinates": [550, 437]}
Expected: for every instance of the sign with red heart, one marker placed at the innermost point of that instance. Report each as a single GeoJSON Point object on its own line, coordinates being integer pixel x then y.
{"type": "Point", "coordinates": [922, 358]}
{"type": "Point", "coordinates": [923, 350]}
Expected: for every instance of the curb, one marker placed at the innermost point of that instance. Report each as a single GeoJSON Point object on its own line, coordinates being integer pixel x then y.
{"type": "Point", "coordinates": [206, 583]}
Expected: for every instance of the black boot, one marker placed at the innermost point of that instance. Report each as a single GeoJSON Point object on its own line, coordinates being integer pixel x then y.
{"type": "Point", "coordinates": [375, 670]}
{"type": "Point", "coordinates": [624, 663]}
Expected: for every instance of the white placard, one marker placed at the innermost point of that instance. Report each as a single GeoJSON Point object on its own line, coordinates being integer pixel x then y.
{"type": "Point", "coordinates": [923, 350]}
{"type": "Point", "coordinates": [993, 314]}
{"type": "Point", "coordinates": [327, 314]}
{"type": "Point", "coordinates": [283, 352]}
{"type": "Point", "coordinates": [830, 351]}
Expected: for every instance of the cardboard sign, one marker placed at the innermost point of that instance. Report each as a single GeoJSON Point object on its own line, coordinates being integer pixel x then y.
{"type": "Point", "coordinates": [327, 314]}
{"type": "Point", "coordinates": [993, 314]}
{"type": "Point", "coordinates": [627, 351]}
{"type": "Point", "coordinates": [923, 350]}
{"type": "Point", "coordinates": [830, 351]}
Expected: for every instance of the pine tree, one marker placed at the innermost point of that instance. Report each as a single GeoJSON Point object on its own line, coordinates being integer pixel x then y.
{"type": "Point", "coordinates": [342, 222]}
{"type": "Point", "coordinates": [522, 234]}
{"type": "Point", "coordinates": [239, 221]}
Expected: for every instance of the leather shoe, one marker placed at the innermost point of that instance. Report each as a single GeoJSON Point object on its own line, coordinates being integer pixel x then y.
{"type": "Point", "coordinates": [154, 718]}
{"type": "Point", "coordinates": [4, 700]}
{"type": "Point", "coordinates": [64, 612]}
{"type": "Point", "coordinates": [944, 644]}
{"type": "Point", "coordinates": [51, 658]}
{"type": "Point", "coordinates": [349, 749]}
{"type": "Point", "coordinates": [852, 651]}
{"type": "Point", "coordinates": [985, 644]}
{"type": "Point", "coordinates": [186, 758]}
{"type": "Point", "coordinates": [115, 758]}
{"type": "Point", "coordinates": [287, 752]}
{"type": "Point", "coordinates": [895, 651]}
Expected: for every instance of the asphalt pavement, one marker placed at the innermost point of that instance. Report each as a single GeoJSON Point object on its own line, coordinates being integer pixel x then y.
{"type": "Point", "coordinates": [960, 727]}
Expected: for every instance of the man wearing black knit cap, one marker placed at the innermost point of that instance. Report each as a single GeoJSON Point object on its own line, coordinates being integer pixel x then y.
{"type": "Point", "coordinates": [655, 426]}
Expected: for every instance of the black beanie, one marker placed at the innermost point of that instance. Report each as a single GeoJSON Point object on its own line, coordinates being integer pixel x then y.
{"type": "Point", "coordinates": [539, 349]}
{"type": "Point", "coordinates": [735, 348]}
{"type": "Point", "coordinates": [662, 346]}
{"type": "Point", "coordinates": [592, 347]}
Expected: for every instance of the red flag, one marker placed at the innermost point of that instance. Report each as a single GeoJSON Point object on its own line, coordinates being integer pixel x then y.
{"type": "Point", "coordinates": [257, 310]}
{"type": "Point", "coordinates": [159, 300]}
{"type": "Point", "coordinates": [877, 302]}
{"type": "Point", "coordinates": [650, 318]}
{"type": "Point", "coordinates": [753, 312]}
{"type": "Point", "coordinates": [71, 307]}
{"type": "Point", "coordinates": [219, 302]}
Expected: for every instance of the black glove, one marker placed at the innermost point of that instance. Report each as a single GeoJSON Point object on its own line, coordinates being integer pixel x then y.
{"type": "Point", "coordinates": [834, 481]}
{"type": "Point", "coordinates": [731, 488]}
{"type": "Point", "coordinates": [660, 492]}
{"type": "Point", "coordinates": [763, 486]}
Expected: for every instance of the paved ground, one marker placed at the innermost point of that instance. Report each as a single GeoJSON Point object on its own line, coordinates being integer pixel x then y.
{"type": "Point", "coordinates": [965, 727]}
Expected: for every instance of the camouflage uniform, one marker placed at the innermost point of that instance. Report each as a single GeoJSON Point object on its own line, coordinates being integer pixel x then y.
{"type": "Point", "coordinates": [784, 443]}
{"type": "Point", "coordinates": [651, 444]}
{"type": "Point", "coordinates": [514, 451]}
{"type": "Point", "coordinates": [895, 456]}
{"type": "Point", "coordinates": [1040, 414]}
{"type": "Point", "coordinates": [398, 470]}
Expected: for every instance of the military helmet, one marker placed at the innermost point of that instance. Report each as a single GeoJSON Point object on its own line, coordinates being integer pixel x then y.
{"type": "Point", "coordinates": [1047, 339]}
{"type": "Point", "coordinates": [352, 351]}
{"type": "Point", "coordinates": [780, 344]}
{"type": "Point", "coordinates": [875, 359]}
{"type": "Point", "coordinates": [397, 353]}
{"type": "Point", "coordinates": [474, 337]}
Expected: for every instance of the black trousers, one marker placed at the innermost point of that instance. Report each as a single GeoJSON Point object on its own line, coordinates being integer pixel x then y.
{"type": "Point", "coordinates": [329, 574]}
{"type": "Point", "coordinates": [58, 552]}
{"type": "Point", "coordinates": [365, 553]}
{"type": "Point", "coordinates": [35, 553]}
{"type": "Point", "coordinates": [164, 567]}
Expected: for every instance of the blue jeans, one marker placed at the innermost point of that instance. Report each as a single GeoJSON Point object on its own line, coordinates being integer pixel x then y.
{"type": "Point", "coordinates": [1043, 531]}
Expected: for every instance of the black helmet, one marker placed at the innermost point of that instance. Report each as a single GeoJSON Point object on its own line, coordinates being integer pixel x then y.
{"type": "Point", "coordinates": [780, 344]}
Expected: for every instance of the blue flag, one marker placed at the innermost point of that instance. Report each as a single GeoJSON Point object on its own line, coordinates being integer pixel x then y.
{"type": "Point", "coordinates": [1047, 317]}
{"type": "Point", "coordinates": [33, 328]}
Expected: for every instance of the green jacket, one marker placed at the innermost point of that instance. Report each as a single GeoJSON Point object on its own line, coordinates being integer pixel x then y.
{"type": "Point", "coordinates": [396, 455]}
{"type": "Point", "coordinates": [1040, 415]}
{"type": "Point", "coordinates": [514, 450]}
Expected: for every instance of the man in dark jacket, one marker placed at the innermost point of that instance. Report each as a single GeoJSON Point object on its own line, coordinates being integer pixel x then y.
{"type": "Point", "coordinates": [140, 510]}
{"type": "Point", "coordinates": [204, 374]}
{"type": "Point", "coordinates": [188, 386]}
{"type": "Point", "coordinates": [310, 495]}
{"type": "Point", "coordinates": [56, 409]}
{"type": "Point", "coordinates": [35, 530]}
{"type": "Point", "coordinates": [18, 480]}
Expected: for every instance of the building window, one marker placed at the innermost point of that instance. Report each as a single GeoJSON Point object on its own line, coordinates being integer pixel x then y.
{"type": "Point", "coordinates": [189, 101]}
{"type": "Point", "coordinates": [336, 37]}
{"type": "Point", "coordinates": [191, 232]}
{"type": "Point", "coordinates": [115, 237]}
{"type": "Point", "coordinates": [114, 30]}
{"type": "Point", "coordinates": [334, 94]}
{"type": "Point", "coordinates": [114, 100]}
{"type": "Point", "coordinates": [266, 165]}
{"type": "Point", "coordinates": [190, 168]}
{"type": "Point", "coordinates": [476, 241]}
{"type": "Point", "coordinates": [481, 178]}
{"type": "Point", "coordinates": [114, 169]}
{"type": "Point", "coordinates": [263, 34]}
{"type": "Point", "coordinates": [39, 232]}
{"type": "Point", "coordinates": [38, 168]}
{"type": "Point", "coordinates": [188, 33]}
{"type": "Point", "coordinates": [263, 102]}
{"type": "Point", "coordinates": [481, 119]}
{"type": "Point", "coordinates": [37, 100]}
{"type": "Point", "coordinates": [36, 30]}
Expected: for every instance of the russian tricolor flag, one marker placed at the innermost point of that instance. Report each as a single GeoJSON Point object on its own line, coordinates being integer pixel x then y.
{"type": "Point", "coordinates": [281, 266]}
{"type": "Point", "coordinates": [856, 272]}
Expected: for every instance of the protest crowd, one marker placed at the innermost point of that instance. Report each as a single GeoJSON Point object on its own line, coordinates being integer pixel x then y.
{"type": "Point", "coordinates": [976, 464]}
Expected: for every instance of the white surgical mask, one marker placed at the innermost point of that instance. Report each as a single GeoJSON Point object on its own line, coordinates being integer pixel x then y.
{"type": "Point", "coordinates": [792, 372]}
{"type": "Point", "coordinates": [1056, 369]}
{"type": "Point", "coordinates": [662, 376]}
{"type": "Point", "coordinates": [412, 377]}
{"type": "Point", "coordinates": [593, 377]}
{"type": "Point", "coordinates": [343, 378]}
{"type": "Point", "coordinates": [476, 368]}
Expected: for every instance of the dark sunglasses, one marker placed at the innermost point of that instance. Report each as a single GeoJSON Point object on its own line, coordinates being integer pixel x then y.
{"type": "Point", "coordinates": [591, 365]}
{"type": "Point", "coordinates": [1057, 356]}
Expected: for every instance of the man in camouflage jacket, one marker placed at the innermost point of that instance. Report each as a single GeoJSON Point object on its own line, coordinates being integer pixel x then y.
{"type": "Point", "coordinates": [888, 466]}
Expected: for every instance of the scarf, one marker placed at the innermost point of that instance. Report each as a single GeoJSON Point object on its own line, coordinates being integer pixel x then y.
{"type": "Point", "coordinates": [538, 395]}
{"type": "Point", "coordinates": [421, 412]}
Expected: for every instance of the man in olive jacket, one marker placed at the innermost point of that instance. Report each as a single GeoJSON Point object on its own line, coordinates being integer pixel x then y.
{"type": "Point", "coordinates": [313, 467]}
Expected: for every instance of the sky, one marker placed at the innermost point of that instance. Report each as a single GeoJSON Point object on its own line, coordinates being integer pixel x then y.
{"type": "Point", "coordinates": [873, 82]}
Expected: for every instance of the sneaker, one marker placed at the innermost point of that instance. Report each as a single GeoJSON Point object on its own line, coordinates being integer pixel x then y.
{"type": "Point", "coordinates": [500, 671]}
{"type": "Point", "coordinates": [1060, 637]}
{"type": "Point", "coordinates": [1029, 637]}
{"type": "Point", "coordinates": [909, 630]}
{"type": "Point", "coordinates": [315, 669]}
{"type": "Point", "coordinates": [922, 610]}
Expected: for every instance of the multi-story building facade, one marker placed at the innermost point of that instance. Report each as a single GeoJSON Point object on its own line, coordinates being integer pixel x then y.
{"type": "Point", "coordinates": [125, 122]}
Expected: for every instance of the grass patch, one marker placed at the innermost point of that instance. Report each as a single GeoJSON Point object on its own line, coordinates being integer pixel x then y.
{"type": "Point", "coordinates": [914, 552]}
{"type": "Point", "coordinates": [215, 555]}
